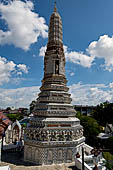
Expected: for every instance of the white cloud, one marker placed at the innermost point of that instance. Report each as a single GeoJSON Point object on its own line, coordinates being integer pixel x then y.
{"type": "Point", "coordinates": [111, 85]}
{"type": "Point", "coordinates": [20, 97]}
{"type": "Point", "coordinates": [100, 49]}
{"type": "Point", "coordinates": [72, 74]}
{"type": "Point", "coordinates": [6, 69]}
{"type": "Point", "coordinates": [85, 94]}
{"type": "Point", "coordinates": [103, 48]}
{"type": "Point", "coordinates": [42, 51]}
{"type": "Point", "coordinates": [34, 55]}
{"type": "Point", "coordinates": [23, 68]}
{"type": "Point", "coordinates": [9, 68]}
{"type": "Point", "coordinates": [24, 25]}
{"type": "Point", "coordinates": [90, 94]}
{"type": "Point", "coordinates": [78, 58]}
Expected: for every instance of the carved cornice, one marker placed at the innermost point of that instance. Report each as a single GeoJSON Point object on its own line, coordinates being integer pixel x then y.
{"type": "Point", "coordinates": [57, 134]}
{"type": "Point", "coordinates": [54, 143]}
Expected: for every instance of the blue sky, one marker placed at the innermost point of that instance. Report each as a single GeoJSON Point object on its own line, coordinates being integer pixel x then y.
{"type": "Point", "coordinates": [88, 44]}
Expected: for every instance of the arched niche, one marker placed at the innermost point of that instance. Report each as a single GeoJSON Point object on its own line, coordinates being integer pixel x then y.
{"type": "Point", "coordinates": [60, 155]}
{"type": "Point", "coordinates": [29, 153]}
{"type": "Point", "coordinates": [36, 156]}
{"type": "Point", "coordinates": [50, 155]}
{"type": "Point", "coordinates": [69, 154]}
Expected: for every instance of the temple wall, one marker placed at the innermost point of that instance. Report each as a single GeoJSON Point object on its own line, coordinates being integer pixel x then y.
{"type": "Point", "coordinates": [48, 155]}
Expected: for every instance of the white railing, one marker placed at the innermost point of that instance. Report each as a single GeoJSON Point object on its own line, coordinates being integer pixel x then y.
{"type": "Point", "coordinates": [89, 159]}
{"type": "Point", "coordinates": [78, 164]}
{"type": "Point", "coordinates": [87, 148]}
{"type": "Point", "coordinates": [4, 167]}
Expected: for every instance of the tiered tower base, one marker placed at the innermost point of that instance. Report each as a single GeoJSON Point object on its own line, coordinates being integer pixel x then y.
{"type": "Point", "coordinates": [58, 142]}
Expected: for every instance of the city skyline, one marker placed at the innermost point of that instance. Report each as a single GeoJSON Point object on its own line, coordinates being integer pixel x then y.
{"type": "Point", "coordinates": [88, 46]}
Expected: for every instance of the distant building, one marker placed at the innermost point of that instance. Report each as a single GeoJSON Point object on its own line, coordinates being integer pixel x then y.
{"type": "Point", "coordinates": [15, 111]}
{"type": "Point", "coordinates": [4, 123]}
{"type": "Point", "coordinates": [20, 111]}
{"type": "Point", "coordinates": [84, 109]}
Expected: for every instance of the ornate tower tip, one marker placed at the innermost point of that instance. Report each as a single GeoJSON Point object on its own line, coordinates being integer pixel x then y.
{"type": "Point", "coordinates": [55, 8]}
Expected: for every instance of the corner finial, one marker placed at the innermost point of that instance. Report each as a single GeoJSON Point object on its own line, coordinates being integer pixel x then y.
{"type": "Point", "coordinates": [55, 8]}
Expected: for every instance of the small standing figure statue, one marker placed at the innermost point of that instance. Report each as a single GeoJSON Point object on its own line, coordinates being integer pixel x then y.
{"type": "Point", "coordinates": [77, 155]}
{"type": "Point", "coordinates": [57, 67]}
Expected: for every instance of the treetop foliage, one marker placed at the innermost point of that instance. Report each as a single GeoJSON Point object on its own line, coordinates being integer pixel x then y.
{"type": "Point", "coordinates": [14, 117]}
{"type": "Point", "coordinates": [91, 127]}
{"type": "Point", "coordinates": [103, 113]}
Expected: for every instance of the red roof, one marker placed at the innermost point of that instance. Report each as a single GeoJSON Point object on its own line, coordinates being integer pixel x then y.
{"type": "Point", "coordinates": [4, 123]}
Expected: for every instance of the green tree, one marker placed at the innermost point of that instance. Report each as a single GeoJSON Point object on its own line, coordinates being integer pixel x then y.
{"type": "Point", "coordinates": [8, 109]}
{"type": "Point", "coordinates": [91, 128]}
{"type": "Point", "coordinates": [108, 157]}
{"type": "Point", "coordinates": [110, 144]}
{"type": "Point", "coordinates": [14, 117]}
{"type": "Point", "coordinates": [103, 113]}
{"type": "Point", "coordinates": [108, 165]}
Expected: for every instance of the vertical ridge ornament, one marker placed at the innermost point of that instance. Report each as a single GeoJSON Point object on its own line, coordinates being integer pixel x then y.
{"type": "Point", "coordinates": [55, 8]}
